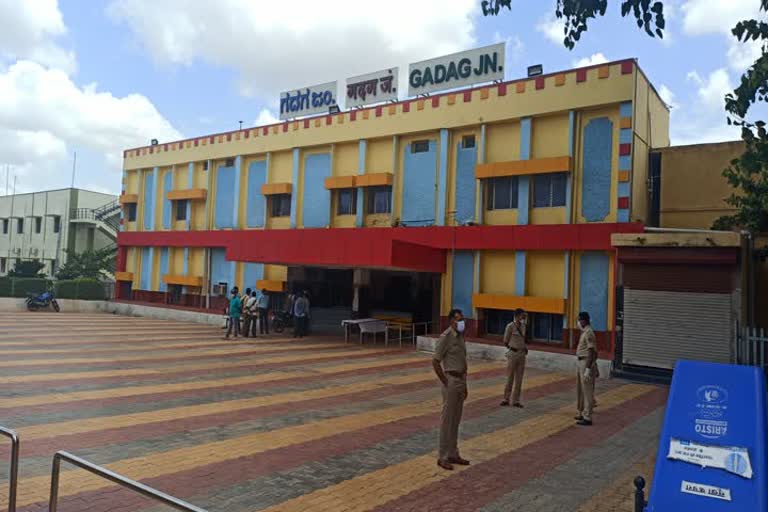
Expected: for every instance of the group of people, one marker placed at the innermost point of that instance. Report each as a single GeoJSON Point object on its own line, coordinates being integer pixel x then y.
{"type": "Point", "coordinates": [450, 365]}
{"type": "Point", "coordinates": [252, 309]}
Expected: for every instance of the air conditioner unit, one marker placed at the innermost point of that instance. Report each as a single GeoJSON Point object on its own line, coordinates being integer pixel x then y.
{"type": "Point", "coordinates": [220, 289]}
{"type": "Point", "coordinates": [34, 252]}
{"type": "Point", "coordinates": [17, 250]}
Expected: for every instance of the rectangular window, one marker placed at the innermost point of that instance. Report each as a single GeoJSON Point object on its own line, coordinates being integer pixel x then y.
{"type": "Point", "coordinates": [379, 200]}
{"type": "Point", "coordinates": [56, 223]}
{"type": "Point", "coordinates": [468, 142]}
{"type": "Point", "coordinates": [229, 162]}
{"type": "Point", "coordinates": [549, 190]}
{"type": "Point", "coordinates": [502, 193]}
{"type": "Point", "coordinates": [346, 201]}
{"type": "Point", "coordinates": [3, 264]}
{"type": "Point", "coordinates": [5, 226]}
{"type": "Point", "coordinates": [280, 205]}
{"type": "Point", "coordinates": [420, 146]}
{"type": "Point", "coordinates": [205, 165]}
{"type": "Point", "coordinates": [181, 209]}
{"type": "Point", "coordinates": [496, 321]}
{"type": "Point", "coordinates": [547, 327]}
{"type": "Point", "coordinates": [130, 212]}
{"type": "Point", "coordinates": [38, 224]}
{"type": "Point", "coordinates": [19, 226]}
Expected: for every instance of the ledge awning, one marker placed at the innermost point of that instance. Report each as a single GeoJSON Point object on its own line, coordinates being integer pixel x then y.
{"type": "Point", "coordinates": [375, 179]}
{"type": "Point", "coordinates": [270, 285]}
{"type": "Point", "coordinates": [192, 281]}
{"type": "Point", "coordinates": [123, 276]}
{"type": "Point", "coordinates": [192, 194]}
{"type": "Point", "coordinates": [524, 167]}
{"type": "Point", "coordinates": [554, 305]}
{"type": "Point", "coordinates": [273, 189]}
{"type": "Point", "coordinates": [129, 198]}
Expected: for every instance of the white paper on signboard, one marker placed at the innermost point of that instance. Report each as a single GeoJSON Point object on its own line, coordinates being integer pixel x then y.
{"type": "Point", "coordinates": [708, 491]}
{"type": "Point", "coordinates": [732, 459]}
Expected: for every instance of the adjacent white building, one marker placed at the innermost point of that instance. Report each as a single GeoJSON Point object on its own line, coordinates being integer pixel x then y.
{"type": "Point", "coordinates": [48, 225]}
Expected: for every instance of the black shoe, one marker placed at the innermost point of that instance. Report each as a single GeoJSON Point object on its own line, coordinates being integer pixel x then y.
{"type": "Point", "coordinates": [518, 405]}
{"type": "Point", "coordinates": [504, 403]}
{"type": "Point", "coordinates": [579, 417]}
{"type": "Point", "coordinates": [584, 423]}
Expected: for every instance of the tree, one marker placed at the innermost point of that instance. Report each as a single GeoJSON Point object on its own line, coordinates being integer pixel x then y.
{"type": "Point", "coordinates": [88, 264]}
{"type": "Point", "coordinates": [28, 268]}
{"type": "Point", "coordinates": [748, 174]}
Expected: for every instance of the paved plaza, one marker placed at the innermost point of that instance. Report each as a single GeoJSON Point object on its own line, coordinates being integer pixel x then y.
{"type": "Point", "coordinates": [276, 424]}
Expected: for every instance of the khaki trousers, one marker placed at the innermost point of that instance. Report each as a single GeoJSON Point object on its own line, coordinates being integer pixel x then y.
{"type": "Point", "coordinates": [454, 395]}
{"type": "Point", "coordinates": [585, 391]}
{"type": "Point", "coordinates": [515, 371]}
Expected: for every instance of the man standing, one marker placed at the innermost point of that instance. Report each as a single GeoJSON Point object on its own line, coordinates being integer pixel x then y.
{"type": "Point", "coordinates": [264, 312]}
{"type": "Point", "coordinates": [247, 318]}
{"type": "Point", "coordinates": [235, 310]}
{"type": "Point", "coordinates": [300, 312]}
{"type": "Point", "coordinates": [586, 354]}
{"type": "Point", "coordinates": [516, 342]}
{"type": "Point", "coordinates": [450, 365]}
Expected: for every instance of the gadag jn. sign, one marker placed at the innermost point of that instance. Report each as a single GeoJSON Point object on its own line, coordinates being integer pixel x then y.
{"type": "Point", "coordinates": [308, 100]}
{"type": "Point", "coordinates": [458, 70]}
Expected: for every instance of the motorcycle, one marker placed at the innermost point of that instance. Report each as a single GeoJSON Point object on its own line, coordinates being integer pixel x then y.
{"type": "Point", "coordinates": [42, 301]}
{"type": "Point", "coordinates": [281, 320]}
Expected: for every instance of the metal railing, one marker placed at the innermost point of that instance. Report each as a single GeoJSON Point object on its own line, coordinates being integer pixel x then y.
{"type": "Point", "coordinates": [13, 478]}
{"type": "Point", "coordinates": [107, 210]}
{"type": "Point", "coordinates": [752, 346]}
{"type": "Point", "coordinates": [89, 214]}
{"type": "Point", "coordinates": [133, 485]}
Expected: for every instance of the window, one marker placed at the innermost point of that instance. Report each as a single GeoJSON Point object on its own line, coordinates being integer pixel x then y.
{"type": "Point", "coordinates": [346, 201]}
{"type": "Point", "coordinates": [56, 223]}
{"type": "Point", "coordinates": [420, 146]}
{"type": "Point", "coordinates": [547, 327]}
{"type": "Point", "coordinates": [38, 224]}
{"type": "Point", "coordinates": [502, 193]}
{"type": "Point", "coordinates": [496, 321]}
{"type": "Point", "coordinates": [468, 142]}
{"type": "Point", "coordinates": [379, 200]}
{"type": "Point", "coordinates": [130, 212]}
{"type": "Point", "coordinates": [549, 190]}
{"type": "Point", "coordinates": [280, 205]}
{"type": "Point", "coordinates": [3, 266]}
{"type": "Point", "coordinates": [181, 209]}
{"type": "Point", "coordinates": [229, 162]}
{"type": "Point", "coordinates": [20, 226]}
{"type": "Point", "coordinates": [205, 165]}
{"type": "Point", "coordinates": [5, 226]}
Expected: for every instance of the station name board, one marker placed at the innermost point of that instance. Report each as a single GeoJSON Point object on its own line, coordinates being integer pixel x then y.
{"type": "Point", "coordinates": [316, 99]}
{"type": "Point", "coordinates": [457, 70]}
{"type": "Point", "coordinates": [372, 88]}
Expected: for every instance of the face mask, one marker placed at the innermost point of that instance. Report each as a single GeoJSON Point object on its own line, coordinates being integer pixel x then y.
{"type": "Point", "coordinates": [460, 326]}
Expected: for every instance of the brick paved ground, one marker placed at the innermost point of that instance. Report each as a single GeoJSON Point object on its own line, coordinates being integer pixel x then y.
{"type": "Point", "coordinates": [281, 425]}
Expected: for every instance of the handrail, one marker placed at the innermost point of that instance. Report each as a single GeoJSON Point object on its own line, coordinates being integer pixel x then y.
{"type": "Point", "coordinates": [133, 485]}
{"type": "Point", "coordinates": [14, 476]}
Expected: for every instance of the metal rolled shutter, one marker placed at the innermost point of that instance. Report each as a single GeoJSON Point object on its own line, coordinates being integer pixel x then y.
{"type": "Point", "coordinates": [661, 327]}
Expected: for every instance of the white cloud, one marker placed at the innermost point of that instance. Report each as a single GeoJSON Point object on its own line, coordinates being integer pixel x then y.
{"type": "Point", "coordinates": [43, 114]}
{"type": "Point", "coordinates": [712, 89]}
{"type": "Point", "coordinates": [596, 58]}
{"type": "Point", "coordinates": [667, 96]}
{"type": "Point", "coordinates": [266, 117]}
{"type": "Point", "coordinates": [716, 16]}
{"type": "Point", "coordinates": [553, 29]}
{"type": "Point", "coordinates": [29, 30]}
{"type": "Point", "coordinates": [742, 55]}
{"type": "Point", "coordinates": [277, 46]}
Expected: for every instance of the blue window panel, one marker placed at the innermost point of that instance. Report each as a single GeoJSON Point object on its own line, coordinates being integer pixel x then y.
{"type": "Point", "coordinates": [317, 200]}
{"type": "Point", "coordinates": [225, 197]}
{"type": "Point", "coordinates": [220, 268]}
{"type": "Point", "coordinates": [149, 201]}
{"type": "Point", "coordinates": [419, 186]}
{"type": "Point", "coordinates": [626, 109]}
{"type": "Point", "coordinates": [167, 205]}
{"type": "Point", "coordinates": [146, 268]}
{"type": "Point", "coordinates": [163, 267]}
{"type": "Point", "coordinates": [252, 272]}
{"type": "Point", "coordinates": [465, 184]}
{"type": "Point", "coordinates": [625, 136]}
{"type": "Point", "coordinates": [463, 281]}
{"type": "Point", "coordinates": [295, 195]}
{"type": "Point", "coordinates": [596, 181]}
{"type": "Point", "coordinates": [624, 189]}
{"type": "Point", "coordinates": [520, 267]}
{"type": "Point", "coordinates": [593, 292]}
{"type": "Point", "coordinates": [257, 203]}
{"type": "Point", "coordinates": [442, 177]}
{"type": "Point", "coordinates": [625, 163]}
{"type": "Point", "coordinates": [622, 216]}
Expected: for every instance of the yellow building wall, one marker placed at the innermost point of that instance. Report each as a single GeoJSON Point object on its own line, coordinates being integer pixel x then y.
{"type": "Point", "coordinates": [281, 168]}
{"type": "Point", "coordinates": [545, 273]}
{"type": "Point", "coordinates": [693, 190]}
{"type": "Point", "coordinates": [640, 200]}
{"type": "Point", "coordinates": [276, 273]}
{"type": "Point", "coordinates": [549, 136]}
{"type": "Point", "coordinates": [132, 182]}
{"type": "Point", "coordinates": [196, 261]}
{"type": "Point", "coordinates": [497, 272]}
{"type": "Point", "coordinates": [378, 156]}
{"type": "Point", "coordinates": [502, 142]}
{"type": "Point", "coordinates": [345, 159]}
{"type": "Point", "coordinates": [556, 215]}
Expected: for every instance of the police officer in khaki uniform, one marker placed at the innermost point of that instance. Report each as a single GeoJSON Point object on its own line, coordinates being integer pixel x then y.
{"type": "Point", "coordinates": [450, 364]}
{"type": "Point", "coordinates": [586, 354]}
{"type": "Point", "coordinates": [516, 342]}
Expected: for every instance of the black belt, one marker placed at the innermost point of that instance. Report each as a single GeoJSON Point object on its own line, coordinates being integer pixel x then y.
{"type": "Point", "coordinates": [581, 358]}
{"type": "Point", "coordinates": [459, 375]}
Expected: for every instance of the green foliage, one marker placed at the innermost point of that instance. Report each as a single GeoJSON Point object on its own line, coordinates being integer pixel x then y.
{"type": "Point", "coordinates": [576, 14]}
{"type": "Point", "coordinates": [22, 286]}
{"type": "Point", "coordinates": [27, 268]}
{"type": "Point", "coordinates": [88, 264]}
{"type": "Point", "coordinates": [84, 289]}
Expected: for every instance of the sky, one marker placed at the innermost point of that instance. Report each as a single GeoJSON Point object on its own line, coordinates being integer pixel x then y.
{"type": "Point", "coordinates": [99, 76]}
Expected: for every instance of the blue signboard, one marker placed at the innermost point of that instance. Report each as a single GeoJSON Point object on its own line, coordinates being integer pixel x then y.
{"type": "Point", "coordinates": [712, 454]}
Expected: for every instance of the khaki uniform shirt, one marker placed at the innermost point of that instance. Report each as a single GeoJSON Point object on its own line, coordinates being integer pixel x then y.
{"type": "Point", "coordinates": [514, 337]}
{"type": "Point", "coordinates": [587, 341]}
{"type": "Point", "coordinates": [451, 351]}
